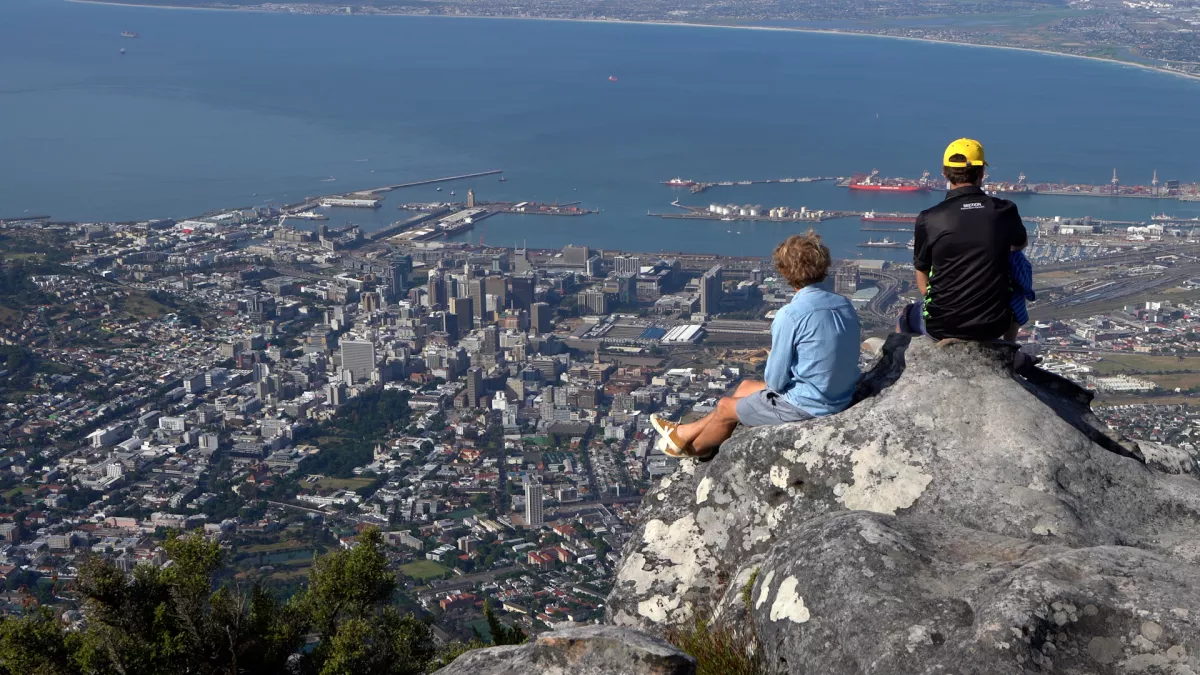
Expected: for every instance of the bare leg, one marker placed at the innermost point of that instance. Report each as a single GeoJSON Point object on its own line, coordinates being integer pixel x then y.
{"type": "Point", "coordinates": [692, 431]}
{"type": "Point", "coordinates": [1010, 335]}
{"type": "Point", "coordinates": [720, 426]}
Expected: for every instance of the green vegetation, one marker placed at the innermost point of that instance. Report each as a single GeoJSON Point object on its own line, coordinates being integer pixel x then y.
{"type": "Point", "coordinates": [423, 570]}
{"type": "Point", "coordinates": [500, 633]}
{"type": "Point", "coordinates": [722, 649]}
{"type": "Point", "coordinates": [177, 619]}
{"type": "Point", "coordinates": [348, 440]}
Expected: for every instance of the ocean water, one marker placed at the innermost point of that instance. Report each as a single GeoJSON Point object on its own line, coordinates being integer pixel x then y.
{"type": "Point", "coordinates": [218, 109]}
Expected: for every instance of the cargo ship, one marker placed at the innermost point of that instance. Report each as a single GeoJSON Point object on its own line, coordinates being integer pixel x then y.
{"type": "Point", "coordinates": [679, 182]}
{"type": "Point", "coordinates": [129, 34]}
{"type": "Point", "coordinates": [874, 183]}
{"type": "Point", "coordinates": [873, 217]}
{"type": "Point", "coordinates": [882, 243]}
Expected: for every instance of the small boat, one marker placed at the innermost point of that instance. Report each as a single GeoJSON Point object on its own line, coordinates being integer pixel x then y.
{"type": "Point", "coordinates": [612, 78]}
{"type": "Point", "coordinates": [439, 189]}
{"type": "Point", "coordinates": [122, 52]}
{"type": "Point", "coordinates": [129, 34]}
{"type": "Point", "coordinates": [452, 193]}
{"type": "Point", "coordinates": [503, 179]}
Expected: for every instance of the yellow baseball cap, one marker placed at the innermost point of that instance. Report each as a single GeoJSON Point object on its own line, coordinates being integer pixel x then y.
{"type": "Point", "coordinates": [969, 148]}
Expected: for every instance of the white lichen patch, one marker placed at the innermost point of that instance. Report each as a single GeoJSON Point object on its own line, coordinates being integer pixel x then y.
{"type": "Point", "coordinates": [779, 476]}
{"type": "Point", "coordinates": [657, 607]}
{"type": "Point", "coordinates": [765, 589]}
{"type": "Point", "coordinates": [680, 557]}
{"type": "Point", "coordinates": [883, 483]}
{"type": "Point", "coordinates": [702, 490]}
{"type": "Point", "coordinates": [788, 603]}
{"type": "Point", "coordinates": [665, 482]}
{"type": "Point", "coordinates": [713, 524]}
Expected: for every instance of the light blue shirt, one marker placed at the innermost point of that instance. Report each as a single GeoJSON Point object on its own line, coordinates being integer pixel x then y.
{"type": "Point", "coordinates": [815, 342]}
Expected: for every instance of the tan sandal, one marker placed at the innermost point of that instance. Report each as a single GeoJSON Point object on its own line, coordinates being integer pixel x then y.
{"type": "Point", "coordinates": [670, 443]}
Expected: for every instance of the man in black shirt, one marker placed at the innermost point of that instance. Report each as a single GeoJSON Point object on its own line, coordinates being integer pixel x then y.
{"type": "Point", "coordinates": [961, 253]}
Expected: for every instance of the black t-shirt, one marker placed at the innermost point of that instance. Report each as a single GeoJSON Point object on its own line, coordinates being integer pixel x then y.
{"type": "Point", "coordinates": [964, 244]}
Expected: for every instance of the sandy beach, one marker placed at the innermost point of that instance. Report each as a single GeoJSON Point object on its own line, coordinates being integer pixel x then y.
{"type": "Point", "coordinates": [779, 29]}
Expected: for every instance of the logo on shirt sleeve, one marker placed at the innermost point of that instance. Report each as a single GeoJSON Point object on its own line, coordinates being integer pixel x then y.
{"type": "Point", "coordinates": [972, 205]}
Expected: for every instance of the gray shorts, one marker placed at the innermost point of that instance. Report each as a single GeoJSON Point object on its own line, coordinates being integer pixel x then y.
{"type": "Point", "coordinates": [765, 407]}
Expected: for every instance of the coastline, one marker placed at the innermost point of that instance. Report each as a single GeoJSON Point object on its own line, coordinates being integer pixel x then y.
{"type": "Point", "coordinates": [780, 29]}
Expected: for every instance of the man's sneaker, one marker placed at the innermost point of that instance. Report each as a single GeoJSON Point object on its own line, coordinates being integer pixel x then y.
{"type": "Point", "coordinates": [669, 441]}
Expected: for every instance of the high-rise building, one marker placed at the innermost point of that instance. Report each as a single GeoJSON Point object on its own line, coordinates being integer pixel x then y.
{"type": "Point", "coordinates": [370, 302]}
{"type": "Point", "coordinates": [462, 308]}
{"type": "Point", "coordinates": [521, 292]}
{"type": "Point", "coordinates": [576, 256]}
{"type": "Point", "coordinates": [627, 265]}
{"type": "Point", "coordinates": [358, 359]}
{"type": "Point", "coordinates": [593, 301]}
{"type": "Point", "coordinates": [491, 340]}
{"type": "Point", "coordinates": [592, 267]}
{"type": "Point", "coordinates": [448, 323]}
{"type": "Point", "coordinates": [845, 278]}
{"type": "Point", "coordinates": [496, 286]}
{"type": "Point", "coordinates": [533, 503]}
{"type": "Point", "coordinates": [397, 275]}
{"type": "Point", "coordinates": [436, 290]}
{"type": "Point", "coordinates": [710, 290]}
{"type": "Point", "coordinates": [470, 199]}
{"type": "Point", "coordinates": [476, 293]}
{"type": "Point", "coordinates": [540, 318]}
{"type": "Point", "coordinates": [474, 386]}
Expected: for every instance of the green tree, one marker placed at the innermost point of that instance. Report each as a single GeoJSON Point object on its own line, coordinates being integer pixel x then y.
{"type": "Point", "coordinates": [350, 602]}
{"type": "Point", "coordinates": [502, 634]}
{"type": "Point", "coordinates": [36, 645]}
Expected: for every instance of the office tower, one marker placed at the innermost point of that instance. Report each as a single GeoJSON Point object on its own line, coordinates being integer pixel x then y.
{"type": "Point", "coordinates": [470, 199]}
{"type": "Point", "coordinates": [449, 323]}
{"type": "Point", "coordinates": [476, 294]}
{"type": "Point", "coordinates": [845, 278]}
{"type": "Point", "coordinates": [540, 318]}
{"type": "Point", "coordinates": [521, 292]}
{"type": "Point", "coordinates": [370, 302]}
{"type": "Point", "coordinates": [626, 265]}
{"type": "Point", "coordinates": [576, 256]}
{"type": "Point", "coordinates": [358, 359]}
{"type": "Point", "coordinates": [397, 275]}
{"type": "Point", "coordinates": [592, 267]}
{"type": "Point", "coordinates": [436, 290]}
{"type": "Point", "coordinates": [474, 386]}
{"type": "Point", "coordinates": [710, 290]}
{"type": "Point", "coordinates": [533, 503]}
{"type": "Point", "coordinates": [491, 340]}
{"type": "Point", "coordinates": [462, 308]}
{"type": "Point", "coordinates": [594, 301]}
{"type": "Point", "coordinates": [498, 287]}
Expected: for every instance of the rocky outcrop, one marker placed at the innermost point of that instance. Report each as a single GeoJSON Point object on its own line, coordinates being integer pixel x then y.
{"type": "Point", "coordinates": [957, 519]}
{"type": "Point", "coordinates": [578, 650]}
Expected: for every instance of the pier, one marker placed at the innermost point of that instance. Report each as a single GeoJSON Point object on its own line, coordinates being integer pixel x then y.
{"type": "Point", "coordinates": [430, 181]}
{"type": "Point", "coordinates": [700, 186]}
{"type": "Point", "coordinates": [807, 217]}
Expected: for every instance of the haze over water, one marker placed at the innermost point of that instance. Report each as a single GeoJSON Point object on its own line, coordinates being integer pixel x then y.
{"type": "Point", "coordinates": [220, 109]}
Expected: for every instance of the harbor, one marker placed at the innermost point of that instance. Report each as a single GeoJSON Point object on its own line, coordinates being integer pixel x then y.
{"type": "Point", "coordinates": [928, 182]}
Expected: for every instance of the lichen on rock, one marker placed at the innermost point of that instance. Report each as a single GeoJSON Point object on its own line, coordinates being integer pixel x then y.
{"type": "Point", "coordinates": [958, 518]}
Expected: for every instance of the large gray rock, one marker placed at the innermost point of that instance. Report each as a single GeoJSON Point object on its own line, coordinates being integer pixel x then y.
{"type": "Point", "coordinates": [957, 519]}
{"type": "Point", "coordinates": [584, 650]}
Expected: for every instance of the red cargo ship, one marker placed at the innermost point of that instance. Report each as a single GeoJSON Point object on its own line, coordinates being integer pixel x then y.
{"type": "Point", "coordinates": [874, 183]}
{"type": "Point", "coordinates": [872, 217]}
